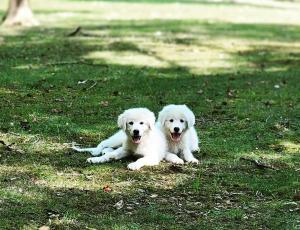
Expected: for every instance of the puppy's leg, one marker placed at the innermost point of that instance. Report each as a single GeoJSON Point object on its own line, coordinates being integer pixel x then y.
{"type": "Point", "coordinates": [116, 154]}
{"type": "Point", "coordinates": [107, 150]}
{"type": "Point", "coordinates": [114, 141]}
{"type": "Point", "coordinates": [173, 158]}
{"type": "Point", "coordinates": [142, 162]}
{"type": "Point", "coordinates": [194, 140]}
{"type": "Point", "coordinates": [189, 157]}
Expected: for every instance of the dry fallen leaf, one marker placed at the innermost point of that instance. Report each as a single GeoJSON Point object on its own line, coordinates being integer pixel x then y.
{"type": "Point", "coordinates": [106, 188]}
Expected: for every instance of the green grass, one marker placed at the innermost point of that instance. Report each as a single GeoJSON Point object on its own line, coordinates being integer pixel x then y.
{"type": "Point", "coordinates": [238, 73]}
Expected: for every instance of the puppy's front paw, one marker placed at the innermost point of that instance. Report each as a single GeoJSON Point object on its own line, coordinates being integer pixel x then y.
{"type": "Point", "coordinates": [193, 160]}
{"type": "Point", "coordinates": [95, 160]}
{"type": "Point", "coordinates": [178, 161]}
{"type": "Point", "coordinates": [134, 166]}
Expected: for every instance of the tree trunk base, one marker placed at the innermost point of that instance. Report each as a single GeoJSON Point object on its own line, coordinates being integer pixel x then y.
{"type": "Point", "coordinates": [20, 20]}
{"type": "Point", "coordinates": [20, 15]}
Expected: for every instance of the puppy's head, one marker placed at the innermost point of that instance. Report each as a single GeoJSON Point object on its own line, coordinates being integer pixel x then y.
{"type": "Point", "coordinates": [176, 119]}
{"type": "Point", "coordinates": [136, 123]}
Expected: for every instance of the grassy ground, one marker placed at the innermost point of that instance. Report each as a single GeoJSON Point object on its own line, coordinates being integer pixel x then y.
{"type": "Point", "coordinates": [236, 65]}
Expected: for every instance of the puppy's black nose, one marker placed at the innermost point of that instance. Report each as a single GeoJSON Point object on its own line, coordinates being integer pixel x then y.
{"type": "Point", "coordinates": [136, 132]}
{"type": "Point", "coordinates": [176, 129]}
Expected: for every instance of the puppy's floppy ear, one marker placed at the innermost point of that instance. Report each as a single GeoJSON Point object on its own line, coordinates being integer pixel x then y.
{"type": "Point", "coordinates": [151, 120]}
{"type": "Point", "coordinates": [162, 115]}
{"type": "Point", "coordinates": [189, 115]}
{"type": "Point", "coordinates": [122, 121]}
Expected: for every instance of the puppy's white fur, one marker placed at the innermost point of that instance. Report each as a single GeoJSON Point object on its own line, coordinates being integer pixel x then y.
{"type": "Point", "coordinates": [184, 146]}
{"type": "Point", "coordinates": [185, 140]}
{"type": "Point", "coordinates": [149, 143]}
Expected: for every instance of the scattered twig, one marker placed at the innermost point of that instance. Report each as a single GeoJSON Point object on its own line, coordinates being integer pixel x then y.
{"type": "Point", "coordinates": [258, 164]}
{"type": "Point", "coordinates": [95, 83]}
{"type": "Point", "coordinates": [75, 32]}
{"type": "Point", "coordinates": [79, 31]}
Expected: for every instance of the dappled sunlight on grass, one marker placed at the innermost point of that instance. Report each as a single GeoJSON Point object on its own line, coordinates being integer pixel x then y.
{"type": "Point", "coordinates": [125, 58]}
{"type": "Point", "coordinates": [135, 11]}
{"type": "Point", "coordinates": [267, 155]}
{"type": "Point", "coordinates": [26, 67]}
{"type": "Point", "coordinates": [6, 91]}
{"type": "Point", "coordinates": [193, 47]}
{"type": "Point", "coordinates": [290, 147]}
{"type": "Point", "coordinates": [34, 142]}
{"type": "Point", "coordinates": [17, 193]}
{"type": "Point", "coordinates": [17, 180]}
{"type": "Point", "coordinates": [94, 178]}
{"type": "Point", "coordinates": [200, 60]}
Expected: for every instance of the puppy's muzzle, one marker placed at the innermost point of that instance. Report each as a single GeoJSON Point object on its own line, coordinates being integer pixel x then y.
{"type": "Point", "coordinates": [136, 138]}
{"type": "Point", "coordinates": [176, 135]}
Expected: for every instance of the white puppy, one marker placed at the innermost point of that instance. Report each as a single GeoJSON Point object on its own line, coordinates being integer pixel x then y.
{"type": "Point", "coordinates": [177, 123]}
{"type": "Point", "coordinates": [139, 136]}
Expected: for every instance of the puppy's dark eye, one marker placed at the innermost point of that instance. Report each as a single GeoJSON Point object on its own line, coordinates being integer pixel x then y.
{"type": "Point", "coordinates": [181, 120]}
{"type": "Point", "coordinates": [171, 120]}
{"type": "Point", "coordinates": [141, 123]}
{"type": "Point", "coordinates": [131, 123]}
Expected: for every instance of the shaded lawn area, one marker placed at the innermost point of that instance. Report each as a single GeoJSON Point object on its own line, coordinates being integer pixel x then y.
{"type": "Point", "coordinates": [240, 79]}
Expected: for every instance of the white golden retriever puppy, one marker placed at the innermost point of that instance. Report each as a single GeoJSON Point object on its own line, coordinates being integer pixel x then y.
{"type": "Point", "coordinates": [177, 123]}
{"type": "Point", "coordinates": [139, 136]}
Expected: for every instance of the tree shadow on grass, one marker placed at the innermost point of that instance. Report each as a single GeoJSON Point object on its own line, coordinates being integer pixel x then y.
{"type": "Point", "coordinates": [204, 199]}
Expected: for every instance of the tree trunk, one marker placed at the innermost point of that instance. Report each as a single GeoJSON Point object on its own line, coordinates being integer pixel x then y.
{"type": "Point", "coordinates": [19, 13]}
